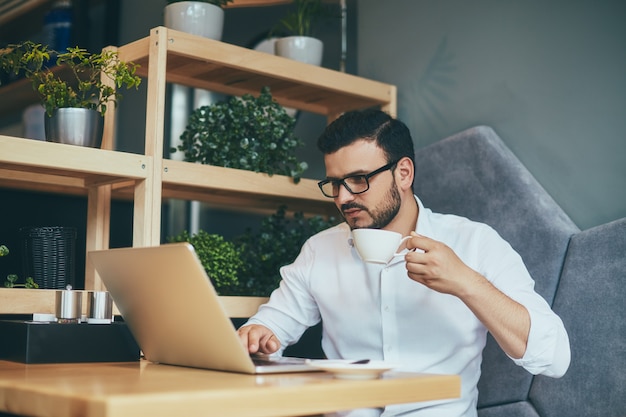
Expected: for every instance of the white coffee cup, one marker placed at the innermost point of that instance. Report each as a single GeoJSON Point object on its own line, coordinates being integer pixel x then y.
{"type": "Point", "coordinates": [377, 245]}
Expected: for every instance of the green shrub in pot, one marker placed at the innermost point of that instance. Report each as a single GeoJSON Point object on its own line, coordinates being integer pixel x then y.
{"type": "Point", "coordinates": [249, 264]}
{"type": "Point", "coordinates": [219, 257]}
{"type": "Point", "coordinates": [250, 133]}
{"type": "Point", "coordinates": [276, 243]}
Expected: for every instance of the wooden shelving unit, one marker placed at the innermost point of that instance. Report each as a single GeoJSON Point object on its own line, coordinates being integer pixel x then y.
{"type": "Point", "coordinates": [168, 56]}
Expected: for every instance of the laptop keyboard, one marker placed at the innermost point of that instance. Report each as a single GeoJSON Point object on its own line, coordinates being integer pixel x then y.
{"type": "Point", "coordinates": [283, 360]}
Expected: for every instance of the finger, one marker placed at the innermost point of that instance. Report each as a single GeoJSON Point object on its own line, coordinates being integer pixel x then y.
{"type": "Point", "coordinates": [415, 265]}
{"type": "Point", "coordinates": [250, 338]}
{"type": "Point", "coordinates": [419, 242]}
{"type": "Point", "coordinates": [416, 256]}
{"type": "Point", "coordinates": [269, 344]}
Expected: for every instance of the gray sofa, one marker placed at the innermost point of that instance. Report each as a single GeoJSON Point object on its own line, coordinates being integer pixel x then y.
{"type": "Point", "coordinates": [582, 274]}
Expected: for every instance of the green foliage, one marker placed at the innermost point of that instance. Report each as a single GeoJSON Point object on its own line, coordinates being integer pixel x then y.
{"type": "Point", "coordinates": [259, 254]}
{"type": "Point", "coordinates": [277, 243]}
{"type": "Point", "coordinates": [11, 281]}
{"type": "Point", "coordinates": [220, 259]}
{"type": "Point", "coordinates": [220, 3]}
{"type": "Point", "coordinates": [301, 21]}
{"type": "Point", "coordinates": [84, 87]}
{"type": "Point", "coordinates": [251, 133]}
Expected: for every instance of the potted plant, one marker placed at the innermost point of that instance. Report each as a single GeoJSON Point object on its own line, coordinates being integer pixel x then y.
{"type": "Point", "coordinates": [249, 264]}
{"type": "Point", "coordinates": [277, 242]}
{"type": "Point", "coordinates": [201, 17]}
{"type": "Point", "coordinates": [251, 133]}
{"type": "Point", "coordinates": [220, 258]}
{"type": "Point", "coordinates": [298, 26]}
{"type": "Point", "coordinates": [72, 88]}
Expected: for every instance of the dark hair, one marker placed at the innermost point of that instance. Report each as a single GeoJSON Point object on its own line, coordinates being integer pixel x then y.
{"type": "Point", "coordinates": [390, 134]}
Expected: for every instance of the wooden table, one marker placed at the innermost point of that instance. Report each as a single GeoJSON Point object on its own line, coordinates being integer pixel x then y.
{"type": "Point", "coordinates": [146, 389]}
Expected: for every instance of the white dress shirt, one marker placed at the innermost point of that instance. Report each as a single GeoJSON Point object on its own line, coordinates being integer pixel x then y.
{"type": "Point", "coordinates": [375, 311]}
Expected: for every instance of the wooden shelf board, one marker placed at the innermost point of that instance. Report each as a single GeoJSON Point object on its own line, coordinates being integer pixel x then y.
{"type": "Point", "coordinates": [26, 301]}
{"type": "Point", "coordinates": [192, 61]}
{"type": "Point", "coordinates": [181, 173]}
{"type": "Point", "coordinates": [241, 189]}
{"type": "Point", "coordinates": [29, 301]}
{"type": "Point", "coordinates": [40, 162]}
{"type": "Point", "coordinates": [249, 203]}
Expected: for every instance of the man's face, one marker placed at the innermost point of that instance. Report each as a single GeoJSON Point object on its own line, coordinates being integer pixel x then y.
{"type": "Point", "coordinates": [379, 205]}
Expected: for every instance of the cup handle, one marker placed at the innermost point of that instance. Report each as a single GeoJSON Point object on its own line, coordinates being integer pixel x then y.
{"type": "Point", "coordinates": [404, 239]}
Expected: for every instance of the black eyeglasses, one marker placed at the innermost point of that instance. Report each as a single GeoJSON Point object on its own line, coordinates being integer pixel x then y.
{"type": "Point", "coordinates": [355, 184]}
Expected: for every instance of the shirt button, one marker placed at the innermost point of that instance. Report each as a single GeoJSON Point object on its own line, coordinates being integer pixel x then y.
{"type": "Point", "coordinates": [386, 308]}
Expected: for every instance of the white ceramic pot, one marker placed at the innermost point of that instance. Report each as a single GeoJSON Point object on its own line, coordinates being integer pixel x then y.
{"type": "Point", "coordinates": [196, 18]}
{"type": "Point", "coordinates": [75, 126]}
{"type": "Point", "coordinates": [300, 48]}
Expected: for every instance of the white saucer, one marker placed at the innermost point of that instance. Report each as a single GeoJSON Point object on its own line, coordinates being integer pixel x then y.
{"type": "Point", "coordinates": [345, 369]}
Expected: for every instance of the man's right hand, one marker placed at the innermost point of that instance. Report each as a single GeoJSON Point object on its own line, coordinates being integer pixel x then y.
{"type": "Point", "coordinates": [258, 339]}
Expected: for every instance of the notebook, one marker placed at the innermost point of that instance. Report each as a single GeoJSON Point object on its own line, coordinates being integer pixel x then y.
{"type": "Point", "coordinates": [171, 308]}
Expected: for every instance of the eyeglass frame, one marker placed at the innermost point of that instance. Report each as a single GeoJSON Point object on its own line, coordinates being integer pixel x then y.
{"type": "Point", "coordinates": [366, 177]}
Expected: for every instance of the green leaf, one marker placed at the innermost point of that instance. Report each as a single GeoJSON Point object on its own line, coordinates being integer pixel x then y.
{"type": "Point", "coordinates": [84, 87]}
{"type": "Point", "coordinates": [251, 133]}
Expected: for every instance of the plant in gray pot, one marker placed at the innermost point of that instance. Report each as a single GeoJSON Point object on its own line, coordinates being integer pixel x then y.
{"type": "Point", "coordinates": [200, 17]}
{"type": "Point", "coordinates": [251, 133]}
{"type": "Point", "coordinates": [75, 87]}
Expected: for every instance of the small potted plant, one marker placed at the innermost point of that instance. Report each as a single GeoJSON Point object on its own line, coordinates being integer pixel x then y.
{"type": "Point", "coordinates": [298, 27]}
{"type": "Point", "coordinates": [251, 133]}
{"type": "Point", "coordinates": [76, 93]}
{"type": "Point", "coordinates": [201, 17]}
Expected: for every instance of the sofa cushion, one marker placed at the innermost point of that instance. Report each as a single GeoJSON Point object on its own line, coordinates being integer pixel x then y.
{"type": "Point", "coordinates": [591, 300]}
{"type": "Point", "coordinates": [474, 174]}
{"type": "Point", "coordinates": [518, 409]}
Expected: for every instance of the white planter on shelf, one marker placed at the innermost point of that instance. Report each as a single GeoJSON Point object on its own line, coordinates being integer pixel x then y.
{"type": "Point", "coordinates": [300, 48]}
{"type": "Point", "coordinates": [195, 17]}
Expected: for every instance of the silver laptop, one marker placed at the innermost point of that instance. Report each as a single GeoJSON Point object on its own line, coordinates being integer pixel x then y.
{"type": "Point", "coordinates": [171, 308]}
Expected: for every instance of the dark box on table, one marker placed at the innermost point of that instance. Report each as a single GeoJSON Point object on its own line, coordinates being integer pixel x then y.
{"type": "Point", "coordinates": [38, 342]}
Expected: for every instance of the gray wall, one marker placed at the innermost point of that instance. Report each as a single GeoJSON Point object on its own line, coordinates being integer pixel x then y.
{"type": "Point", "coordinates": [548, 76]}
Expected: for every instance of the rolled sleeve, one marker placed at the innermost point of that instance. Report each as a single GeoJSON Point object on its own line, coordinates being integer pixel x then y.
{"type": "Point", "coordinates": [547, 350]}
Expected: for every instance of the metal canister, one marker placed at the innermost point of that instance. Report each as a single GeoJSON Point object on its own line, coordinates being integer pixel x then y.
{"type": "Point", "coordinates": [69, 305]}
{"type": "Point", "coordinates": [99, 307]}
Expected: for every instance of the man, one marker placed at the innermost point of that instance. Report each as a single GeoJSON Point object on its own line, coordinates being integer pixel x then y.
{"type": "Point", "coordinates": [429, 311]}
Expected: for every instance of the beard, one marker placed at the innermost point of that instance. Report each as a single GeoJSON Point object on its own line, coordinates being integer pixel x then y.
{"type": "Point", "coordinates": [381, 216]}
